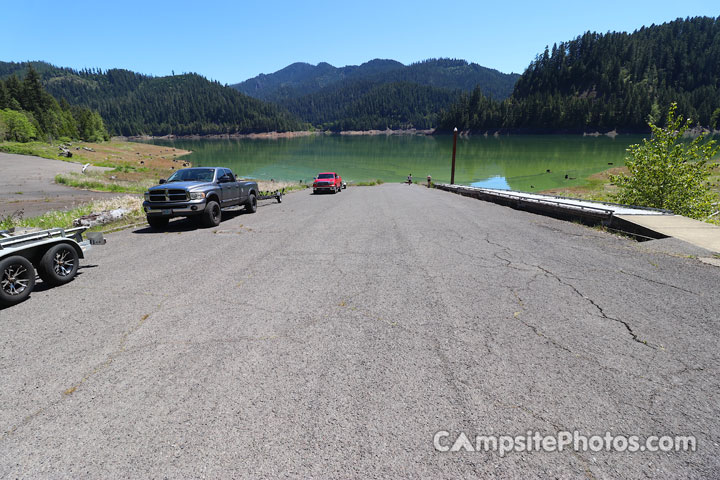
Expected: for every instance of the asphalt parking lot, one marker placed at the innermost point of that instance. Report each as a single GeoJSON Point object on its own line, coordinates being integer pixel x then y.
{"type": "Point", "coordinates": [333, 336]}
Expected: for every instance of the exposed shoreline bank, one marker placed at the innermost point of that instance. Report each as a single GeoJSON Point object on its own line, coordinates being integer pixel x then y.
{"type": "Point", "coordinates": [424, 132]}
{"type": "Point", "coordinates": [44, 181]}
{"type": "Point", "coordinates": [275, 135]}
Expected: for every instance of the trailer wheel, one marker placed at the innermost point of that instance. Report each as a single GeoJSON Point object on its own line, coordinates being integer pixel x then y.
{"type": "Point", "coordinates": [59, 264]}
{"type": "Point", "coordinates": [251, 205]}
{"type": "Point", "coordinates": [158, 223]}
{"type": "Point", "coordinates": [212, 215]}
{"type": "Point", "coordinates": [17, 280]}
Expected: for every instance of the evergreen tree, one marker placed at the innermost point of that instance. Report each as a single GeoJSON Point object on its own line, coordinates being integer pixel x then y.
{"type": "Point", "coordinates": [30, 113]}
{"type": "Point", "coordinates": [610, 81]}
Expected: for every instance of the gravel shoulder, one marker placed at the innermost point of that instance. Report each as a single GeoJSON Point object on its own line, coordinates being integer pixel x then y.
{"type": "Point", "coordinates": [27, 185]}
{"type": "Point", "coordinates": [332, 336]}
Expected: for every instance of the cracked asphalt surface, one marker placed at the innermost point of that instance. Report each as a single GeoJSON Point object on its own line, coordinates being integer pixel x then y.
{"type": "Point", "coordinates": [332, 336]}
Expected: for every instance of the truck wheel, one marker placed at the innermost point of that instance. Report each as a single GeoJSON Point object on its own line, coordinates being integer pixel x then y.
{"type": "Point", "coordinates": [17, 280]}
{"type": "Point", "coordinates": [212, 215]}
{"type": "Point", "coordinates": [59, 264]}
{"type": "Point", "coordinates": [158, 223]}
{"type": "Point", "coordinates": [251, 205]}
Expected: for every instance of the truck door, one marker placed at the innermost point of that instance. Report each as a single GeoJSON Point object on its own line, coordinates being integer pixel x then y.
{"type": "Point", "coordinates": [243, 189]}
{"type": "Point", "coordinates": [229, 187]}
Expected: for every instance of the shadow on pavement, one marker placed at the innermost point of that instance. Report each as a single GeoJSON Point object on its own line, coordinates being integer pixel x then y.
{"type": "Point", "coordinates": [188, 224]}
{"type": "Point", "coordinates": [41, 286]}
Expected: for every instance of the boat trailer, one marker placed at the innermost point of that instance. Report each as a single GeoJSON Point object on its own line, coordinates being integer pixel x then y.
{"type": "Point", "coordinates": [54, 253]}
{"type": "Point", "coordinates": [277, 195]}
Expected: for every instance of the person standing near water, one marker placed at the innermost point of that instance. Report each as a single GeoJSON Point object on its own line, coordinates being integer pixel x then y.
{"type": "Point", "coordinates": [409, 180]}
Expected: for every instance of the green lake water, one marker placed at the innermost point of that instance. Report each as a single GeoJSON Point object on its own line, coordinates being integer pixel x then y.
{"type": "Point", "coordinates": [517, 162]}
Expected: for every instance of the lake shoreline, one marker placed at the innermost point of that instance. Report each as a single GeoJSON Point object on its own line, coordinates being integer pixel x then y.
{"type": "Point", "coordinates": [501, 132]}
{"type": "Point", "coordinates": [356, 133]}
{"type": "Point", "coordinates": [276, 135]}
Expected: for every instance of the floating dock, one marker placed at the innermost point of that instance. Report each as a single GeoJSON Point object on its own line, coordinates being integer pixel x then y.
{"type": "Point", "coordinates": [644, 223]}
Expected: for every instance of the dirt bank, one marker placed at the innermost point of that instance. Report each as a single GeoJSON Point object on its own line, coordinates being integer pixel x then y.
{"type": "Point", "coordinates": [27, 183]}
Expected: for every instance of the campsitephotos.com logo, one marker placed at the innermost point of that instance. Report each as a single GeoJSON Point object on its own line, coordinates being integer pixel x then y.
{"type": "Point", "coordinates": [444, 441]}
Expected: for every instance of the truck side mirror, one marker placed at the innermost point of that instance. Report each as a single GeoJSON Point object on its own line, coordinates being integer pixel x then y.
{"type": "Point", "coordinates": [162, 180]}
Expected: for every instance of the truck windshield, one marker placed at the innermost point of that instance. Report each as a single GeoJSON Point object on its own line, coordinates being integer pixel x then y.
{"type": "Point", "coordinates": [326, 175]}
{"type": "Point", "coordinates": [193, 175]}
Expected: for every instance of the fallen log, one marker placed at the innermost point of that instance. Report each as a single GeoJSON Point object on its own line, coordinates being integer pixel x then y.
{"type": "Point", "coordinates": [100, 218]}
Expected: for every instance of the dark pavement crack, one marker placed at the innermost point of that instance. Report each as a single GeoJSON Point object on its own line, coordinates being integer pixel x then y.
{"type": "Point", "coordinates": [600, 310]}
{"type": "Point", "coordinates": [534, 328]}
{"type": "Point", "coordinates": [657, 282]}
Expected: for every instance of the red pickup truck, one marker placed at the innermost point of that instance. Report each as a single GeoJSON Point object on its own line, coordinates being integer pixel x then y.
{"type": "Point", "coordinates": [328, 182]}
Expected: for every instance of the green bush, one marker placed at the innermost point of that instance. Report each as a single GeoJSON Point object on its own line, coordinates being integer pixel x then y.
{"type": "Point", "coordinates": [667, 172]}
{"type": "Point", "coordinates": [16, 126]}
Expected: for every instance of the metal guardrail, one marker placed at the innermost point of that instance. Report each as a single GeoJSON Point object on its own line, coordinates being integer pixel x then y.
{"type": "Point", "coordinates": [521, 198]}
{"type": "Point", "coordinates": [547, 199]}
{"type": "Point", "coordinates": [634, 207]}
{"type": "Point", "coordinates": [562, 207]}
{"type": "Point", "coordinates": [554, 203]}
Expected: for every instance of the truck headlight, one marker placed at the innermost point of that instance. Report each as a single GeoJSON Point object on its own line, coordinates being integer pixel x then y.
{"type": "Point", "coordinates": [147, 196]}
{"type": "Point", "coordinates": [197, 195]}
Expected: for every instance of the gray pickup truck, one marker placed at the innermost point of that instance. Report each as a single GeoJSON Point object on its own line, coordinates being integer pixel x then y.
{"type": "Point", "coordinates": [200, 192]}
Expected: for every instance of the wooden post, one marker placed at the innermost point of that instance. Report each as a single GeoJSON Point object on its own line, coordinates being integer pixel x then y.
{"type": "Point", "coordinates": [452, 171]}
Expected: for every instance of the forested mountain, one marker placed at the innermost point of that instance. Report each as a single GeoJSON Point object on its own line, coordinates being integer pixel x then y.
{"type": "Point", "coordinates": [134, 104]}
{"type": "Point", "coordinates": [301, 79]}
{"type": "Point", "coordinates": [28, 112]}
{"type": "Point", "coordinates": [594, 82]}
{"type": "Point", "coordinates": [363, 105]}
{"type": "Point", "coordinates": [608, 81]}
{"type": "Point", "coordinates": [375, 95]}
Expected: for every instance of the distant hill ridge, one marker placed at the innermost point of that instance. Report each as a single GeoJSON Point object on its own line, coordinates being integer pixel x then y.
{"type": "Point", "coordinates": [595, 82]}
{"type": "Point", "coordinates": [300, 79]}
{"type": "Point", "coordinates": [378, 94]}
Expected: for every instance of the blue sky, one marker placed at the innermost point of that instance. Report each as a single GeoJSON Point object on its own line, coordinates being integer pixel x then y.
{"type": "Point", "coordinates": [233, 41]}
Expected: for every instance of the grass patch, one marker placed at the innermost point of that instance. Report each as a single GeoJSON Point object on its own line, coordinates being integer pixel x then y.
{"type": "Point", "coordinates": [271, 186]}
{"type": "Point", "coordinates": [268, 187]}
{"type": "Point", "coordinates": [64, 218]}
{"type": "Point", "coordinates": [293, 188]}
{"type": "Point", "coordinates": [100, 182]}
{"type": "Point", "coordinates": [38, 149]}
{"type": "Point", "coordinates": [368, 183]}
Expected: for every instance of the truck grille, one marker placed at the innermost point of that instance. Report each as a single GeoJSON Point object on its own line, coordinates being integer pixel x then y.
{"type": "Point", "coordinates": [168, 195]}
